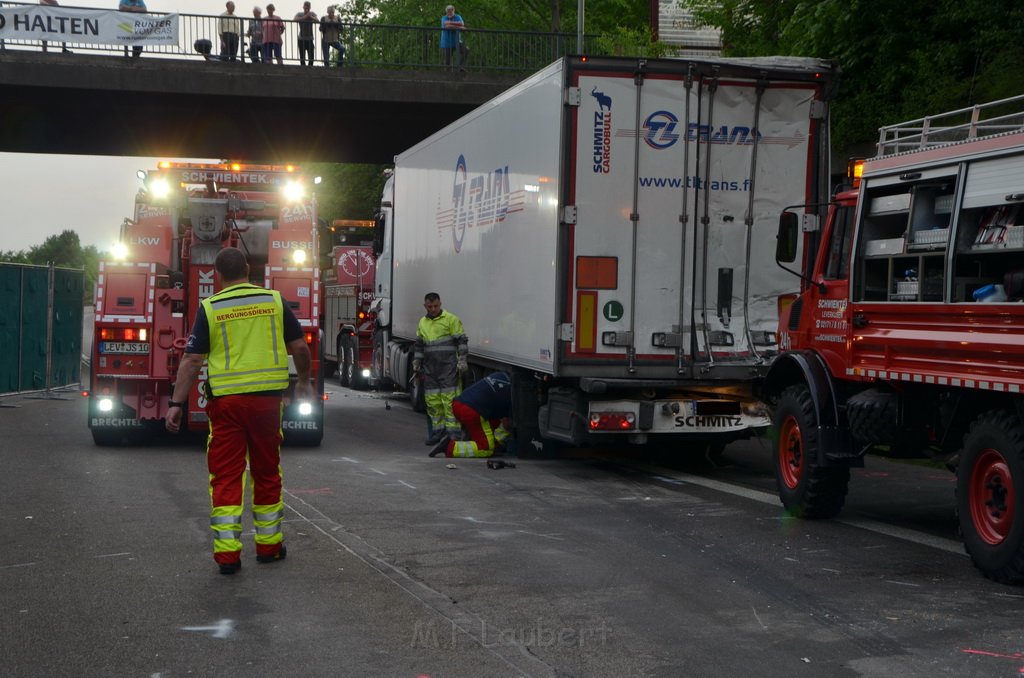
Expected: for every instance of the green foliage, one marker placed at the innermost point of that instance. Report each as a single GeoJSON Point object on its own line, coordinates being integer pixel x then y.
{"type": "Point", "coordinates": [900, 60]}
{"type": "Point", "coordinates": [348, 191]}
{"type": "Point", "coordinates": [544, 16]}
{"type": "Point", "coordinates": [14, 257]}
{"type": "Point", "coordinates": [622, 41]}
{"type": "Point", "coordinates": [65, 251]}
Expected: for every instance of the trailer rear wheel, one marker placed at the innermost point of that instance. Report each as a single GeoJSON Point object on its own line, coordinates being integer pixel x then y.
{"type": "Point", "coordinates": [807, 489]}
{"type": "Point", "coordinates": [990, 496]}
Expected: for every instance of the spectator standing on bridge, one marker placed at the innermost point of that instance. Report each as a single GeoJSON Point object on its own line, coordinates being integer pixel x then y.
{"type": "Point", "coordinates": [451, 27]}
{"type": "Point", "coordinates": [255, 35]}
{"type": "Point", "coordinates": [230, 28]}
{"type": "Point", "coordinates": [138, 6]}
{"type": "Point", "coordinates": [273, 36]}
{"type": "Point", "coordinates": [306, 18]}
{"type": "Point", "coordinates": [330, 36]}
{"type": "Point", "coordinates": [239, 332]}
{"type": "Point", "coordinates": [440, 358]}
{"type": "Point", "coordinates": [63, 45]}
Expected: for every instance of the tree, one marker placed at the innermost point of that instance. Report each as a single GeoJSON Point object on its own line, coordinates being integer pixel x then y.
{"type": "Point", "coordinates": [64, 250]}
{"type": "Point", "coordinates": [550, 16]}
{"type": "Point", "coordinates": [899, 60]}
{"type": "Point", "coordinates": [14, 257]}
{"type": "Point", "coordinates": [348, 191]}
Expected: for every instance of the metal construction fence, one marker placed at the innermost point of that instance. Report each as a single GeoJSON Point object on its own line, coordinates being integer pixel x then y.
{"type": "Point", "coordinates": [40, 327]}
{"type": "Point", "coordinates": [366, 45]}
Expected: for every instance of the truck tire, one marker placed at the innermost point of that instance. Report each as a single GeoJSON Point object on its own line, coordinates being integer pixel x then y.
{"type": "Point", "coordinates": [303, 438]}
{"type": "Point", "coordinates": [527, 441]}
{"type": "Point", "coordinates": [416, 394]}
{"type": "Point", "coordinates": [356, 379]}
{"type": "Point", "coordinates": [807, 489]}
{"type": "Point", "coordinates": [990, 496]}
{"type": "Point", "coordinates": [344, 369]}
{"type": "Point", "coordinates": [873, 416]}
{"type": "Point", "coordinates": [103, 437]}
{"type": "Point", "coordinates": [381, 382]}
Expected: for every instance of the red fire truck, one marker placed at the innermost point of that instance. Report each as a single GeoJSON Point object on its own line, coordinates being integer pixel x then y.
{"type": "Point", "coordinates": [348, 292]}
{"type": "Point", "coordinates": [147, 298]}
{"type": "Point", "coordinates": [907, 336]}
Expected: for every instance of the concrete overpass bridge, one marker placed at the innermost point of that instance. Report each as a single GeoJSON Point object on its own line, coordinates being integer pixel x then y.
{"type": "Point", "coordinates": [390, 92]}
{"type": "Point", "coordinates": [101, 105]}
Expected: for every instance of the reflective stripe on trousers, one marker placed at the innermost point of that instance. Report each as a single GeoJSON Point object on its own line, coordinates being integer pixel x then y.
{"type": "Point", "coordinates": [439, 408]}
{"type": "Point", "coordinates": [245, 429]}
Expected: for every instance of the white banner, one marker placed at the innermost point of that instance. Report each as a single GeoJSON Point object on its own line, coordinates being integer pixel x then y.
{"type": "Point", "coordinates": [87, 26]}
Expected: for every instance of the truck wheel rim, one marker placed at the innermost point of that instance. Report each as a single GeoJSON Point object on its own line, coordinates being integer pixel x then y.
{"type": "Point", "coordinates": [791, 453]}
{"type": "Point", "coordinates": [992, 497]}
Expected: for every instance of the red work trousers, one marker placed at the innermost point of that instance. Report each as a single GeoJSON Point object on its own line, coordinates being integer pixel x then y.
{"type": "Point", "coordinates": [244, 428]}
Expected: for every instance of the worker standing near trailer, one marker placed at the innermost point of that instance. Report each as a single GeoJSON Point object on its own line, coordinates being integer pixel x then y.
{"type": "Point", "coordinates": [439, 359]}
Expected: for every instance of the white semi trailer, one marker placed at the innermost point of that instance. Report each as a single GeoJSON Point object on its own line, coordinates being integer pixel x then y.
{"type": "Point", "coordinates": [605, 231]}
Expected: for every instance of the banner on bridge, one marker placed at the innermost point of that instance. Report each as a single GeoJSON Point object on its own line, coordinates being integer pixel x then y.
{"type": "Point", "coordinates": [87, 26]}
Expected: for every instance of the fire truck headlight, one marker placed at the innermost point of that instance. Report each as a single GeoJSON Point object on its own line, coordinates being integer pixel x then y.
{"type": "Point", "coordinates": [159, 188]}
{"type": "Point", "coordinates": [119, 251]}
{"type": "Point", "coordinates": [305, 409]}
{"type": "Point", "coordinates": [293, 191]}
{"type": "Point", "coordinates": [105, 405]}
{"type": "Point", "coordinates": [299, 256]}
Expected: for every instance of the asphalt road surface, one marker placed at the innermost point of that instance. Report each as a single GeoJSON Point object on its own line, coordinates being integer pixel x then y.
{"type": "Point", "coordinates": [599, 563]}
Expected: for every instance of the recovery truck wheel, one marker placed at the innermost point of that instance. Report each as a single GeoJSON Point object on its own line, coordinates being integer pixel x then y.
{"type": "Point", "coordinates": [106, 438]}
{"type": "Point", "coordinates": [807, 489]}
{"type": "Point", "coordinates": [990, 496]}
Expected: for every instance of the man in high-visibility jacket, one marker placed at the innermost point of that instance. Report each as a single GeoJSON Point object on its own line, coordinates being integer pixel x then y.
{"type": "Point", "coordinates": [439, 359]}
{"type": "Point", "coordinates": [481, 409]}
{"type": "Point", "coordinates": [244, 334]}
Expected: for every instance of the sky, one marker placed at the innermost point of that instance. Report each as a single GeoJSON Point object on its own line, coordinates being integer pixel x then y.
{"type": "Point", "coordinates": [42, 195]}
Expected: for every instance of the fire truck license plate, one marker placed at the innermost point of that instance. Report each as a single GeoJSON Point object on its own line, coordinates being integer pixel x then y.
{"type": "Point", "coordinates": [123, 347]}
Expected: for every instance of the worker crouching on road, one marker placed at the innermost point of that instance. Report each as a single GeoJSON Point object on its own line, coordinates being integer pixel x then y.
{"type": "Point", "coordinates": [480, 409]}
{"type": "Point", "coordinates": [439, 359]}
{"type": "Point", "coordinates": [243, 333]}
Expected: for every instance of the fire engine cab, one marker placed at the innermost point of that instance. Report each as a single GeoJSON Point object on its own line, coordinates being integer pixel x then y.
{"type": "Point", "coordinates": [907, 336]}
{"type": "Point", "coordinates": [148, 295]}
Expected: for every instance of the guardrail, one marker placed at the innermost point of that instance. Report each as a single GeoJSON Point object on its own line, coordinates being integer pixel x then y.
{"type": "Point", "coordinates": [973, 122]}
{"type": "Point", "coordinates": [366, 45]}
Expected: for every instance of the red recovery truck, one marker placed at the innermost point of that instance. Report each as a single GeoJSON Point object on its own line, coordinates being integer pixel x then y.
{"type": "Point", "coordinates": [146, 301]}
{"type": "Point", "coordinates": [348, 292]}
{"type": "Point", "coordinates": [908, 333]}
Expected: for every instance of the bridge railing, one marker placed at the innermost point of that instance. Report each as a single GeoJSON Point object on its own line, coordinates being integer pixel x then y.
{"type": "Point", "coordinates": [366, 45]}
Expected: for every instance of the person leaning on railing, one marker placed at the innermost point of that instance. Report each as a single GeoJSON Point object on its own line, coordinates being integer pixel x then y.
{"type": "Point", "coordinates": [133, 6]}
{"type": "Point", "coordinates": [330, 36]}
{"type": "Point", "coordinates": [255, 35]}
{"type": "Point", "coordinates": [273, 36]}
{"type": "Point", "coordinates": [230, 28]}
{"type": "Point", "coordinates": [63, 45]}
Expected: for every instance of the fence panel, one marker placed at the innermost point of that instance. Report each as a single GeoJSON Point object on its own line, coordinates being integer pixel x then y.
{"type": "Point", "coordinates": [40, 327]}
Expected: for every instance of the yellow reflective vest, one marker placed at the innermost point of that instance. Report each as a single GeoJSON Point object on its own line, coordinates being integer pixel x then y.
{"type": "Point", "coordinates": [247, 347]}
